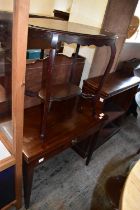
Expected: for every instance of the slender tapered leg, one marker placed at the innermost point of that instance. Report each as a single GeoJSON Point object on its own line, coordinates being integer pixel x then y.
{"type": "Point", "coordinates": [92, 144]}
{"type": "Point", "coordinates": [28, 172]}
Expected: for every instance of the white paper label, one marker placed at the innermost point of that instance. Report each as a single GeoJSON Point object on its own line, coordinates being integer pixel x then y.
{"type": "Point", "coordinates": [101, 99]}
{"type": "Point", "coordinates": [41, 160]}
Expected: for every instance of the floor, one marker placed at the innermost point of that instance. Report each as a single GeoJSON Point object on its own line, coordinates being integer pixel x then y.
{"type": "Point", "coordinates": [65, 183]}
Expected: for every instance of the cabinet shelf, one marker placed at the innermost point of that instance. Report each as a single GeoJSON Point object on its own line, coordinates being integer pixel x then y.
{"type": "Point", "coordinates": [113, 111]}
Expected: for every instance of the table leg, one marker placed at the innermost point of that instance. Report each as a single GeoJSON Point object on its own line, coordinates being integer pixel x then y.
{"type": "Point", "coordinates": [92, 144]}
{"type": "Point", "coordinates": [133, 108]}
{"type": "Point", "coordinates": [28, 172]}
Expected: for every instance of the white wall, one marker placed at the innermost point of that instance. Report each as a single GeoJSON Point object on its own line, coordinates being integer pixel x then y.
{"type": "Point", "coordinates": [64, 5]}
{"type": "Point", "coordinates": [6, 5]}
{"type": "Point", "coordinates": [91, 13]}
{"type": "Point", "coordinates": [44, 7]}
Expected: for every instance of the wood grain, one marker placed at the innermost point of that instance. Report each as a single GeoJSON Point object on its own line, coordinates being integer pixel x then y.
{"type": "Point", "coordinates": [115, 83]}
{"type": "Point", "coordinates": [64, 125]}
{"type": "Point", "coordinates": [19, 46]}
{"type": "Point", "coordinates": [7, 162]}
{"type": "Point", "coordinates": [131, 192]}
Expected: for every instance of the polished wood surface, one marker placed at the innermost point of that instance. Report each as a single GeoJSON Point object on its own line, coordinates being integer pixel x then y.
{"type": "Point", "coordinates": [38, 27]}
{"type": "Point", "coordinates": [61, 131]}
{"type": "Point", "coordinates": [79, 40]}
{"type": "Point", "coordinates": [60, 75]}
{"type": "Point", "coordinates": [64, 26]}
{"type": "Point", "coordinates": [116, 96]}
{"type": "Point", "coordinates": [115, 83]}
{"type": "Point", "coordinates": [61, 92]}
{"type": "Point", "coordinates": [66, 127]}
{"type": "Point", "coordinates": [131, 192]}
{"type": "Point", "coordinates": [72, 125]}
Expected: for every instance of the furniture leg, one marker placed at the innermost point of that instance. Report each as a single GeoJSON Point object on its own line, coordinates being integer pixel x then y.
{"type": "Point", "coordinates": [28, 171]}
{"type": "Point", "coordinates": [133, 108]}
{"type": "Point", "coordinates": [91, 147]}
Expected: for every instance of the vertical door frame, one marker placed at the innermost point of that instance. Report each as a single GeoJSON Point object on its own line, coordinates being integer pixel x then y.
{"type": "Point", "coordinates": [19, 46]}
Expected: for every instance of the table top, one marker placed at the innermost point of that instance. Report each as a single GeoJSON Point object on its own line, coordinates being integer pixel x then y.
{"type": "Point", "coordinates": [131, 194]}
{"type": "Point", "coordinates": [54, 24]}
{"type": "Point", "coordinates": [64, 125]}
{"type": "Point", "coordinates": [65, 26]}
{"type": "Point", "coordinates": [41, 29]}
{"type": "Point", "coordinates": [115, 83]}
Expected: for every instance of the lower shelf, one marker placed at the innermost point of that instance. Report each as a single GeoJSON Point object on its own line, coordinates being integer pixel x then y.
{"type": "Point", "coordinates": [113, 111]}
{"type": "Point", "coordinates": [81, 148]}
{"type": "Point", "coordinates": [107, 132]}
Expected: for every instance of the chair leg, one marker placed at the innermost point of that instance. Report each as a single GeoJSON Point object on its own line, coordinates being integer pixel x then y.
{"type": "Point", "coordinates": [80, 103]}
{"type": "Point", "coordinates": [46, 109]}
{"type": "Point", "coordinates": [92, 145]}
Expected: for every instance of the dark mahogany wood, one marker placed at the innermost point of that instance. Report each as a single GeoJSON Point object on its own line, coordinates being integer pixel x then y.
{"type": "Point", "coordinates": [61, 14]}
{"type": "Point", "coordinates": [28, 171]}
{"type": "Point", "coordinates": [116, 82]}
{"type": "Point", "coordinates": [66, 126]}
{"type": "Point", "coordinates": [80, 40]}
{"type": "Point", "coordinates": [60, 75]}
{"type": "Point", "coordinates": [65, 130]}
{"type": "Point", "coordinates": [61, 92]}
{"type": "Point", "coordinates": [81, 131]}
{"type": "Point", "coordinates": [117, 94]}
{"type": "Point", "coordinates": [44, 16]}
